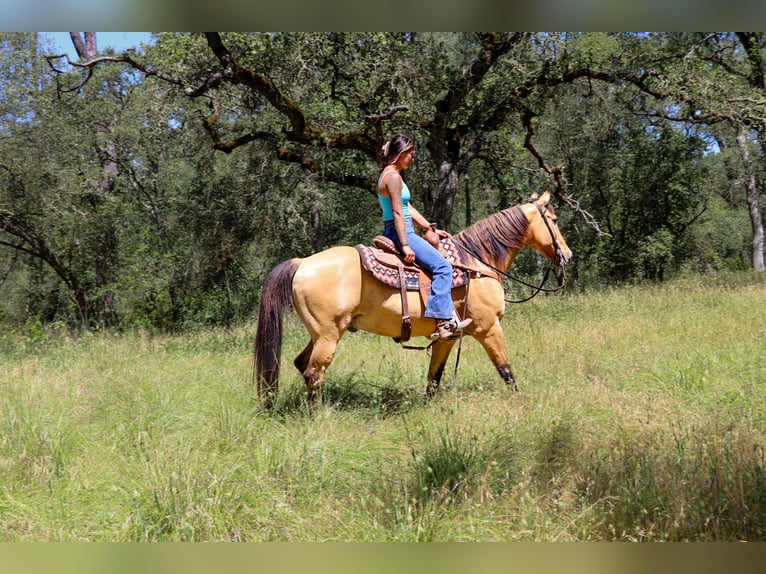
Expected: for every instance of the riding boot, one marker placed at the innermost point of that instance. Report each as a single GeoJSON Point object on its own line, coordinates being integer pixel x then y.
{"type": "Point", "coordinates": [448, 328]}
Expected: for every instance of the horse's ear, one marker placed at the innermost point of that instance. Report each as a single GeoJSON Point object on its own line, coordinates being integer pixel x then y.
{"type": "Point", "coordinates": [534, 196]}
{"type": "Point", "coordinates": [545, 198]}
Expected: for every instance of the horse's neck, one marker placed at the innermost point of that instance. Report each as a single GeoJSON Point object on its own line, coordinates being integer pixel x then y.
{"type": "Point", "coordinates": [505, 263]}
{"type": "Point", "coordinates": [498, 264]}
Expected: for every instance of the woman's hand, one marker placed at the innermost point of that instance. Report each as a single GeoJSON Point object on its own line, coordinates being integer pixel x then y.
{"type": "Point", "coordinates": [409, 254]}
{"type": "Point", "coordinates": [434, 236]}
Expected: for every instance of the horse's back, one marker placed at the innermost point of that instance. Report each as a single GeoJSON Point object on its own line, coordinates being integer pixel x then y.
{"type": "Point", "coordinates": [333, 269]}
{"type": "Point", "coordinates": [333, 292]}
{"type": "Point", "coordinates": [328, 284]}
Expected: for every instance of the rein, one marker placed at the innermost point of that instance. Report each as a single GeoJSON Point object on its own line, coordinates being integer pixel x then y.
{"type": "Point", "coordinates": [537, 288]}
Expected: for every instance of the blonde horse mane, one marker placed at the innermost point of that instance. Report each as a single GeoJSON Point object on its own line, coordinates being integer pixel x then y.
{"type": "Point", "coordinates": [490, 239]}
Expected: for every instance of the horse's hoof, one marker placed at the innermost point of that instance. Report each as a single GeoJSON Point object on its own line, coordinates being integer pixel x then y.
{"type": "Point", "coordinates": [432, 388]}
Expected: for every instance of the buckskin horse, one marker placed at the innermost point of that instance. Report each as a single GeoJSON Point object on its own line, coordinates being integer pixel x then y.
{"type": "Point", "coordinates": [332, 292]}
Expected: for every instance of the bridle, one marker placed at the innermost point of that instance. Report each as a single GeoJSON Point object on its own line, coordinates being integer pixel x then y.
{"type": "Point", "coordinates": [541, 287]}
{"type": "Point", "coordinates": [547, 223]}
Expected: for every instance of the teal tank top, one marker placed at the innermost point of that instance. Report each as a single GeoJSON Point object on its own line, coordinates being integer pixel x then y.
{"type": "Point", "coordinates": [385, 203]}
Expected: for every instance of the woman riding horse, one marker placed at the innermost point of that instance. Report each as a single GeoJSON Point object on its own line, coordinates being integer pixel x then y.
{"type": "Point", "coordinates": [399, 217]}
{"type": "Point", "coordinates": [332, 293]}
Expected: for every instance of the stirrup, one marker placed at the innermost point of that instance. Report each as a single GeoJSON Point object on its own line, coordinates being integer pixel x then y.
{"type": "Point", "coordinates": [451, 329]}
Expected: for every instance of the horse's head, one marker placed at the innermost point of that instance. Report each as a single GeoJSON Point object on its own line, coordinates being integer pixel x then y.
{"type": "Point", "coordinates": [545, 236]}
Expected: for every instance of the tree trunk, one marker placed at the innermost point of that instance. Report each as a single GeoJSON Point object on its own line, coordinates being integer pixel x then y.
{"type": "Point", "coordinates": [106, 149]}
{"type": "Point", "coordinates": [85, 45]}
{"type": "Point", "coordinates": [468, 206]}
{"type": "Point", "coordinates": [753, 202]}
{"type": "Point", "coordinates": [751, 42]}
{"type": "Point", "coordinates": [444, 199]}
{"type": "Point", "coordinates": [317, 239]}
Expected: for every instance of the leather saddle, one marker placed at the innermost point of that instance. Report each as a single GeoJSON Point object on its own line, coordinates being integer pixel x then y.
{"type": "Point", "coordinates": [384, 261]}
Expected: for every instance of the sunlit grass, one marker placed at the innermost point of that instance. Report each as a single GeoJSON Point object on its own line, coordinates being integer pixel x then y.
{"type": "Point", "coordinates": [641, 416]}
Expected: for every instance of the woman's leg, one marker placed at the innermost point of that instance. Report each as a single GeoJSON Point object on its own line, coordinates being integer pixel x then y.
{"type": "Point", "coordinates": [439, 304]}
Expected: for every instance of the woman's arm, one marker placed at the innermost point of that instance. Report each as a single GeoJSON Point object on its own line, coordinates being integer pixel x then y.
{"type": "Point", "coordinates": [418, 219]}
{"type": "Point", "coordinates": [393, 184]}
{"type": "Point", "coordinates": [432, 235]}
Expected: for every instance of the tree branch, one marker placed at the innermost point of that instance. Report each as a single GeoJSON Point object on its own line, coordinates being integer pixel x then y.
{"type": "Point", "coordinates": [302, 131]}
{"type": "Point", "coordinates": [492, 48]}
{"type": "Point", "coordinates": [15, 258]}
{"type": "Point", "coordinates": [90, 65]}
{"type": "Point", "coordinates": [18, 247]}
{"type": "Point", "coordinates": [387, 115]}
{"type": "Point", "coordinates": [39, 248]}
{"type": "Point", "coordinates": [310, 164]}
{"type": "Point", "coordinates": [262, 84]}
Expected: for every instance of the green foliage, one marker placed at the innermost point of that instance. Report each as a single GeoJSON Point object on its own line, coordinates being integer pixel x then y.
{"type": "Point", "coordinates": [648, 197]}
{"type": "Point", "coordinates": [117, 213]}
{"type": "Point", "coordinates": [721, 237]}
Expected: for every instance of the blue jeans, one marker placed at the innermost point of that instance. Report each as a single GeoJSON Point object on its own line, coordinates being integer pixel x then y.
{"type": "Point", "coordinates": [439, 304]}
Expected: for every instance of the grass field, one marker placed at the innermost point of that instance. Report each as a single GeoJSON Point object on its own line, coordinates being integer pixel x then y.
{"type": "Point", "coordinates": [641, 416]}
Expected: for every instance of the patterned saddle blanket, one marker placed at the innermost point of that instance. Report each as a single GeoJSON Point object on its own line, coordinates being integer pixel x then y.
{"type": "Point", "coordinates": [384, 261]}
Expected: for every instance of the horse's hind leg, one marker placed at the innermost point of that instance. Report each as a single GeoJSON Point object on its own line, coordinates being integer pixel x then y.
{"type": "Point", "coordinates": [313, 362]}
{"type": "Point", "coordinates": [301, 362]}
{"type": "Point", "coordinates": [439, 354]}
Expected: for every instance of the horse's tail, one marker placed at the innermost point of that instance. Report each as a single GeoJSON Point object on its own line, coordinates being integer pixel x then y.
{"type": "Point", "coordinates": [276, 298]}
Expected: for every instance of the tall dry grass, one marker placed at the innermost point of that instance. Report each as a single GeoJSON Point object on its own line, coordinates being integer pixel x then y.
{"type": "Point", "coordinates": [641, 416]}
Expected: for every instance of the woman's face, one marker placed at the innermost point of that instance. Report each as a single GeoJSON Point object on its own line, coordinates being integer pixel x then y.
{"type": "Point", "coordinates": [406, 157]}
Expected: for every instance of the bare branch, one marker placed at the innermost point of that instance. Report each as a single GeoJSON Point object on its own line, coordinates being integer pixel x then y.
{"type": "Point", "coordinates": [589, 219]}
{"type": "Point", "coordinates": [90, 65]}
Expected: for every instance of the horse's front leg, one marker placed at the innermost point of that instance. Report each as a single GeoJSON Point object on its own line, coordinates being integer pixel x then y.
{"type": "Point", "coordinates": [439, 354]}
{"type": "Point", "coordinates": [493, 342]}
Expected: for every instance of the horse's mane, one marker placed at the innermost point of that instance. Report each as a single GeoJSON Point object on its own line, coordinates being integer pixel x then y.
{"type": "Point", "coordinates": [491, 238]}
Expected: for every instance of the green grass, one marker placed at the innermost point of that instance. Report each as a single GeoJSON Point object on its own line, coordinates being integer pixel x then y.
{"type": "Point", "coordinates": [641, 416]}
